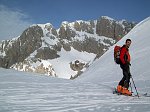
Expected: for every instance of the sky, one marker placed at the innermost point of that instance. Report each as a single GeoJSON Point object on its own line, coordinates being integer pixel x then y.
{"type": "Point", "coordinates": [17, 15]}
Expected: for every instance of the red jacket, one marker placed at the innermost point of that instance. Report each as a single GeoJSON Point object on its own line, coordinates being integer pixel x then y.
{"type": "Point", "coordinates": [124, 55]}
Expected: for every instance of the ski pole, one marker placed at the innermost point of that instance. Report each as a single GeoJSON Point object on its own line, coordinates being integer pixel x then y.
{"type": "Point", "coordinates": [131, 88]}
{"type": "Point", "coordinates": [135, 86]}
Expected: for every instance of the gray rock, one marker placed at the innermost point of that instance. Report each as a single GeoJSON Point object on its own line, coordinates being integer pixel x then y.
{"type": "Point", "coordinates": [111, 28]}
{"type": "Point", "coordinates": [19, 49]}
{"type": "Point", "coordinates": [46, 53]}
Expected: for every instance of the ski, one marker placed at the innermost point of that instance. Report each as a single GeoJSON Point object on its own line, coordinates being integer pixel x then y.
{"type": "Point", "coordinates": [133, 95]}
{"type": "Point", "coordinates": [142, 95]}
{"type": "Point", "coordinates": [116, 92]}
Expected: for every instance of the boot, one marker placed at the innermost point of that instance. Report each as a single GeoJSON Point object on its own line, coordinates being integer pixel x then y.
{"type": "Point", "coordinates": [126, 91]}
{"type": "Point", "coordinates": [119, 88]}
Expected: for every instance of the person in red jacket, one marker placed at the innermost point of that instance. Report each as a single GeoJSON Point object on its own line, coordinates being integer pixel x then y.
{"type": "Point", "coordinates": [125, 66]}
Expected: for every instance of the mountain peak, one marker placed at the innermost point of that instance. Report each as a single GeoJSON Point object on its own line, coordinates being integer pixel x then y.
{"type": "Point", "coordinates": [106, 17]}
{"type": "Point", "coordinates": [64, 23]}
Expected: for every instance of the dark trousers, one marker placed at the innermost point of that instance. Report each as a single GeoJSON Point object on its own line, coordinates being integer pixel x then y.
{"type": "Point", "coordinates": [126, 76]}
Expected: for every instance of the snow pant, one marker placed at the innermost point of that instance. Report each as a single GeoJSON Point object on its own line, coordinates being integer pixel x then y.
{"type": "Point", "coordinates": [126, 76]}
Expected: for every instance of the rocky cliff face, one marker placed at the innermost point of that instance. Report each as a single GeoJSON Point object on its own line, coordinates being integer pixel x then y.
{"type": "Point", "coordinates": [44, 42]}
{"type": "Point", "coordinates": [16, 50]}
{"type": "Point", "coordinates": [114, 29]}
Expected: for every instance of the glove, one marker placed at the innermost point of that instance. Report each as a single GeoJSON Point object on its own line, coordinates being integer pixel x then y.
{"type": "Point", "coordinates": [128, 63]}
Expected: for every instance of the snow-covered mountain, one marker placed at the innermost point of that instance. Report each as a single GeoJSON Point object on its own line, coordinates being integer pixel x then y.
{"type": "Point", "coordinates": [91, 92]}
{"type": "Point", "coordinates": [43, 49]}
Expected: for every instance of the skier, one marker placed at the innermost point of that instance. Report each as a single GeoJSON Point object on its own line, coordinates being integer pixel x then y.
{"type": "Point", "coordinates": [125, 66]}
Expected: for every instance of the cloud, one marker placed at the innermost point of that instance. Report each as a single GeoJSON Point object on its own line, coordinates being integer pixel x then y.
{"type": "Point", "coordinates": [12, 23]}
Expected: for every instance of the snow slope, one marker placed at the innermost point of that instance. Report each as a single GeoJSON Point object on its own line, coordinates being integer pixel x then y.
{"type": "Point", "coordinates": [62, 64]}
{"type": "Point", "coordinates": [92, 92]}
{"type": "Point", "coordinates": [22, 92]}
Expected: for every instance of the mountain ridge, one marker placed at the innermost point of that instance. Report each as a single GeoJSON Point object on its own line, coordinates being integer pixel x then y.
{"type": "Point", "coordinates": [44, 42]}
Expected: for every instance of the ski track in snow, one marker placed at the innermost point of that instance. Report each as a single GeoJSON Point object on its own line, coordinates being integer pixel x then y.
{"type": "Point", "coordinates": [20, 96]}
